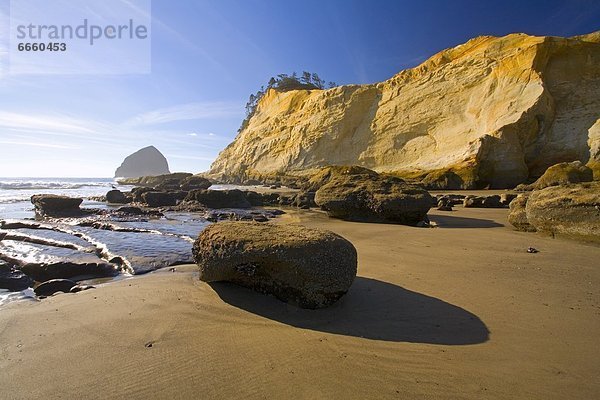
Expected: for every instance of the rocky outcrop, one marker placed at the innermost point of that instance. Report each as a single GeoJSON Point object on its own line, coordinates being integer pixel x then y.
{"type": "Point", "coordinates": [311, 268]}
{"type": "Point", "coordinates": [374, 198]}
{"type": "Point", "coordinates": [219, 198]}
{"type": "Point", "coordinates": [144, 162]}
{"type": "Point", "coordinates": [493, 112]}
{"type": "Point", "coordinates": [568, 210]}
{"type": "Point", "coordinates": [563, 174]}
{"type": "Point", "coordinates": [194, 182]}
{"type": "Point", "coordinates": [54, 205]}
{"type": "Point", "coordinates": [517, 216]}
{"type": "Point", "coordinates": [116, 197]}
{"type": "Point", "coordinates": [12, 279]}
{"type": "Point", "coordinates": [173, 179]}
{"type": "Point", "coordinates": [159, 199]}
{"type": "Point", "coordinates": [323, 176]}
{"type": "Point", "coordinates": [483, 202]}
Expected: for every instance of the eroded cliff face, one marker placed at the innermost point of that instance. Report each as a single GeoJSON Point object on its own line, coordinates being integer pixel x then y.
{"type": "Point", "coordinates": [491, 112]}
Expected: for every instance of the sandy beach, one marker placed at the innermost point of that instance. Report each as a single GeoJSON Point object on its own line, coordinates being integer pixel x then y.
{"type": "Point", "coordinates": [460, 311]}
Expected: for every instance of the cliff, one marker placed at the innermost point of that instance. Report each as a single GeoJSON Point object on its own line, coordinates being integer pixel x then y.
{"type": "Point", "coordinates": [491, 112]}
{"type": "Point", "coordinates": [144, 162]}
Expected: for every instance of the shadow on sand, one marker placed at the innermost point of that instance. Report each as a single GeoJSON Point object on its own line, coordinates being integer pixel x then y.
{"type": "Point", "coordinates": [371, 309]}
{"type": "Point", "coordinates": [449, 221]}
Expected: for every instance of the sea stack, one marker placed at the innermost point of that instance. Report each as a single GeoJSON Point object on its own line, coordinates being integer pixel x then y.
{"type": "Point", "coordinates": [144, 162]}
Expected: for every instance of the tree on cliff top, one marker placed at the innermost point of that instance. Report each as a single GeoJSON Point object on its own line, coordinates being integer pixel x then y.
{"type": "Point", "coordinates": [284, 83]}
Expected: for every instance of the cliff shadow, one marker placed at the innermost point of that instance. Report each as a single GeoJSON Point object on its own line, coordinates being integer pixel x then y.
{"type": "Point", "coordinates": [450, 221]}
{"type": "Point", "coordinates": [371, 309]}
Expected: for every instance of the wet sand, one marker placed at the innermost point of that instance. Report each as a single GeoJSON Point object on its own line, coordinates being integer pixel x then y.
{"type": "Point", "coordinates": [461, 311]}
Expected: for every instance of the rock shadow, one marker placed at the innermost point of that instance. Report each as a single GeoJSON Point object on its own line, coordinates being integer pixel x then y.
{"type": "Point", "coordinates": [371, 309]}
{"type": "Point", "coordinates": [449, 221]}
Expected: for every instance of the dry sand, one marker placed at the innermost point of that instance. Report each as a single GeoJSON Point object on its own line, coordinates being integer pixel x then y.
{"type": "Point", "coordinates": [457, 312]}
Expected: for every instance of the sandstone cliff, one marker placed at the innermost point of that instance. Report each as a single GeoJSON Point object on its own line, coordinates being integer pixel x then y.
{"type": "Point", "coordinates": [491, 112]}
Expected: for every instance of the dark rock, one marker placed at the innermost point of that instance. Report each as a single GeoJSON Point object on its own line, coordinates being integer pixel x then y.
{"type": "Point", "coordinates": [308, 267]}
{"type": "Point", "coordinates": [449, 199]}
{"type": "Point", "coordinates": [271, 199]}
{"type": "Point", "coordinates": [219, 198]}
{"type": "Point", "coordinates": [506, 198]}
{"type": "Point", "coordinates": [195, 183]}
{"type": "Point", "coordinates": [79, 288]}
{"type": "Point", "coordinates": [52, 286]}
{"type": "Point", "coordinates": [284, 200]}
{"type": "Point", "coordinates": [116, 197]}
{"type": "Point", "coordinates": [168, 185]}
{"type": "Point", "coordinates": [144, 162]}
{"type": "Point", "coordinates": [68, 269]}
{"type": "Point", "coordinates": [255, 199]}
{"type": "Point", "coordinates": [444, 180]}
{"type": "Point", "coordinates": [517, 215]}
{"type": "Point", "coordinates": [172, 181]}
{"type": "Point", "coordinates": [444, 204]}
{"type": "Point", "coordinates": [13, 279]}
{"type": "Point", "coordinates": [54, 205]}
{"type": "Point", "coordinates": [159, 199]}
{"type": "Point", "coordinates": [304, 200]}
{"type": "Point", "coordinates": [138, 192]}
{"type": "Point", "coordinates": [483, 202]}
{"type": "Point", "coordinates": [131, 210]}
{"type": "Point", "coordinates": [374, 198]}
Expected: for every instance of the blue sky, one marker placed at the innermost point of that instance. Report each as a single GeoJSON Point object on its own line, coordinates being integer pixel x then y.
{"type": "Point", "coordinates": [208, 56]}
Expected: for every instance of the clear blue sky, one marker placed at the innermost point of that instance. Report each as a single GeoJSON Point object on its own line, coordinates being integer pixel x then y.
{"type": "Point", "coordinates": [208, 56]}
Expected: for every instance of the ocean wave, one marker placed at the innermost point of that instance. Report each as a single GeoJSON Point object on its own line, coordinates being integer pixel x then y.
{"type": "Point", "coordinates": [50, 185]}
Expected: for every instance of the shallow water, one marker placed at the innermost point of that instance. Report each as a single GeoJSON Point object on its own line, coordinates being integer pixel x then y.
{"type": "Point", "coordinates": [128, 244]}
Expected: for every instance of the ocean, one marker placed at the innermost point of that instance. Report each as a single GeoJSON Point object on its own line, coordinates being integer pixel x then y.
{"type": "Point", "coordinates": [15, 193]}
{"type": "Point", "coordinates": [116, 245]}
{"type": "Point", "coordinates": [143, 244]}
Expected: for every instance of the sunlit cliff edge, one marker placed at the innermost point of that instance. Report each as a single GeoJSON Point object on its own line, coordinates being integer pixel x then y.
{"type": "Point", "coordinates": [492, 112]}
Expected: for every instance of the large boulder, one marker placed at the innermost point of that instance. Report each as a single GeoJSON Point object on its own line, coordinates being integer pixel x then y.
{"type": "Point", "coordinates": [567, 210]}
{"type": "Point", "coordinates": [116, 196]}
{"type": "Point", "coordinates": [312, 268]}
{"type": "Point", "coordinates": [517, 215]}
{"type": "Point", "coordinates": [13, 279]}
{"type": "Point", "coordinates": [144, 162]}
{"type": "Point", "coordinates": [54, 205]}
{"type": "Point", "coordinates": [564, 173]}
{"type": "Point", "coordinates": [374, 198]}
{"type": "Point", "coordinates": [219, 198]}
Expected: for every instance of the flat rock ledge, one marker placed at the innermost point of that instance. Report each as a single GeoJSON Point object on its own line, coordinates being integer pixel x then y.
{"type": "Point", "coordinates": [55, 205]}
{"type": "Point", "coordinates": [311, 268]}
